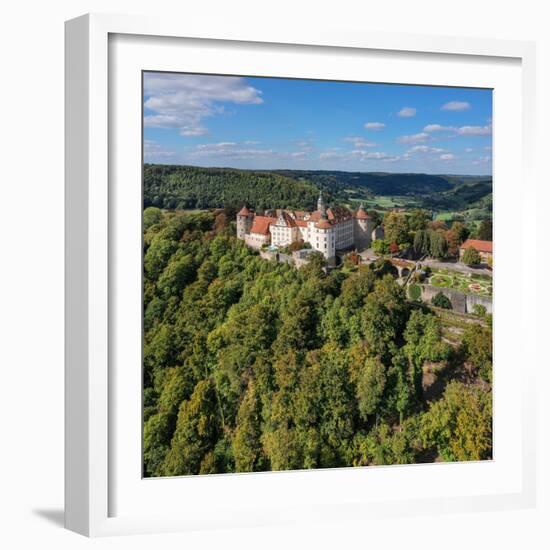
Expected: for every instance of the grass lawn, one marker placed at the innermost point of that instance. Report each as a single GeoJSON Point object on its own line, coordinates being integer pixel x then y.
{"type": "Point", "coordinates": [446, 216]}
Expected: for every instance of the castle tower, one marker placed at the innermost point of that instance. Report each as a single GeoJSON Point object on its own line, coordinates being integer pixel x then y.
{"type": "Point", "coordinates": [324, 240]}
{"type": "Point", "coordinates": [321, 207]}
{"type": "Point", "coordinates": [362, 229]}
{"type": "Point", "coordinates": [244, 222]}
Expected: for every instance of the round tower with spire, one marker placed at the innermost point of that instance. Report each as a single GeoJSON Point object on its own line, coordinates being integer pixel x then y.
{"type": "Point", "coordinates": [244, 222]}
{"type": "Point", "coordinates": [362, 229]}
{"type": "Point", "coordinates": [321, 207]}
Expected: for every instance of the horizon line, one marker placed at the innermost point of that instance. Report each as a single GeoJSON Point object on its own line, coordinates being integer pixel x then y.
{"type": "Point", "coordinates": [316, 170]}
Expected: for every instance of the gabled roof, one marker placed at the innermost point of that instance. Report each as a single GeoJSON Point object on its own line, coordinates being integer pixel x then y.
{"type": "Point", "coordinates": [288, 221]}
{"type": "Point", "coordinates": [244, 211]}
{"type": "Point", "coordinates": [314, 216]}
{"type": "Point", "coordinates": [480, 246]}
{"type": "Point", "coordinates": [261, 224]}
{"type": "Point", "coordinates": [323, 224]}
{"type": "Point", "coordinates": [338, 214]}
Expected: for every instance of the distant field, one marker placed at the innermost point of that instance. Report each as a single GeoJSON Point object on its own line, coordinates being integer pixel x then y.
{"type": "Point", "coordinates": [446, 216]}
{"type": "Point", "coordinates": [381, 201]}
{"type": "Point", "coordinates": [471, 216]}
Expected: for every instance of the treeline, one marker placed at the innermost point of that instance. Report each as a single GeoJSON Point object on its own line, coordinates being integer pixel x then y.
{"type": "Point", "coordinates": [464, 196]}
{"type": "Point", "coordinates": [251, 365]}
{"type": "Point", "coordinates": [415, 231]}
{"type": "Point", "coordinates": [190, 187]}
{"type": "Point", "coordinates": [376, 183]}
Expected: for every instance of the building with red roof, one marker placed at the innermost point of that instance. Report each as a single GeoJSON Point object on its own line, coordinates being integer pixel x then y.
{"type": "Point", "coordinates": [325, 229]}
{"type": "Point", "coordinates": [485, 249]}
{"type": "Point", "coordinates": [259, 234]}
{"type": "Point", "coordinates": [244, 211]}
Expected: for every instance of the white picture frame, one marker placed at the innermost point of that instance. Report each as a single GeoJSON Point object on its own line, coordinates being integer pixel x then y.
{"type": "Point", "coordinates": [93, 425]}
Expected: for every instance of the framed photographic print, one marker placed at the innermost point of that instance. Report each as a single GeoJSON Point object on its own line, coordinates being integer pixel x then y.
{"type": "Point", "coordinates": [291, 294]}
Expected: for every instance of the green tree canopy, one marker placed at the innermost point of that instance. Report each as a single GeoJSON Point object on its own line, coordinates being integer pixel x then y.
{"type": "Point", "coordinates": [471, 256]}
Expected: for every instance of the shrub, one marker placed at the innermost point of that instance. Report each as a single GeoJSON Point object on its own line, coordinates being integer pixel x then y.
{"type": "Point", "coordinates": [440, 300]}
{"type": "Point", "coordinates": [480, 310]}
{"type": "Point", "coordinates": [471, 256]}
{"type": "Point", "coordinates": [414, 292]}
{"type": "Point", "coordinates": [381, 247]}
{"type": "Point", "coordinates": [296, 245]}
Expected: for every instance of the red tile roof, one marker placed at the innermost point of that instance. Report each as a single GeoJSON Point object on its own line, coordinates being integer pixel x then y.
{"type": "Point", "coordinates": [323, 224]}
{"type": "Point", "coordinates": [315, 216]}
{"type": "Point", "coordinates": [338, 214]}
{"type": "Point", "coordinates": [480, 246]}
{"type": "Point", "coordinates": [301, 223]}
{"type": "Point", "coordinates": [261, 224]}
{"type": "Point", "coordinates": [289, 221]}
{"type": "Point", "coordinates": [244, 211]}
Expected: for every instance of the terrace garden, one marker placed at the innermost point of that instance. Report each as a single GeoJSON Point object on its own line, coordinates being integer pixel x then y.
{"type": "Point", "coordinates": [470, 284]}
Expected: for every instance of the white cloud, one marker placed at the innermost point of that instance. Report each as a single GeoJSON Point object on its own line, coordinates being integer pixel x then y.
{"type": "Point", "coordinates": [326, 155]}
{"type": "Point", "coordinates": [242, 151]}
{"type": "Point", "coordinates": [394, 159]}
{"type": "Point", "coordinates": [462, 130]}
{"type": "Point", "coordinates": [414, 138]}
{"type": "Point", "coordinates": [407, 112]}
{"type": "Point", "coordinates": [456, 106]}
{"type": "Point", "coordinates": [469, 150]}
{"type": "Point", "coordinates": [482, 160]}
{"type": "Point", "coordinates": [425, 149]}
{"type": "Point", "coordinates": [475, 130]}
{"type": "Point", "coordinates": [374, 125]}
{"type": "Point", "coordinates": [222, 145]}
{"type": "Point", "coordinates": [447, 156]}
{"type": "Point", "coordinates": [438, 128]}
{"type": "Point", "coordinates": [359, 142]}
{"type": "Point", "coordinates": [190, 130]}
{"type": "Point", "coordinates": [181, 101]}
{"type": "Point", "coordinates": [230, 149]}
{"type": "Point", "coordinates": [153, 151]}
{"type": "Point", "coordinates": [368, 155]}
{"type": "Point", "coordinates": [305, 144]}
{"type": "Point", "coordinates": [357, 155]}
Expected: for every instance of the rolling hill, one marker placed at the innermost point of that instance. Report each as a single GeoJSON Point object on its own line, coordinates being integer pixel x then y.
{"type": "Point", "coordinates": [189, 187]}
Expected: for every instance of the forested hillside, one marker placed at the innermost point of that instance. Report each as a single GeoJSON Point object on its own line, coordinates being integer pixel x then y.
{"type": "Point", "coordinates": [463, 196]}
{"type": "Point", "coordinates": [252, 365]}
{"type": "Point", "coordinates": [376, 183]}
{"type": "Point", "coordinates": [190, 187]}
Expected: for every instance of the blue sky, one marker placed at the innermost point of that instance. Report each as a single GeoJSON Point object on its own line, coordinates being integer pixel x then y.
{"type": "Point", "coordinates": [268, 123]}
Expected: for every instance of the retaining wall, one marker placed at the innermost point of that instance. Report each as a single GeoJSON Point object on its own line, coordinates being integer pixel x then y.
{"type": "Point", "coordinates": [461, 302]}
{"type": "Point", "coordinates": [277, 256]}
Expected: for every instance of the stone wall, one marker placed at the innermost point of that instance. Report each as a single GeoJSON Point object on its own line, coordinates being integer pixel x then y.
{"type": "Point", "coordinates": [277, 256]}
{"type": "Point", "coordinates": [461, 302]}
{"type": "Point", "coordinates": [473, 299]}
{"type": "Point", "coordinates": [267, 255]}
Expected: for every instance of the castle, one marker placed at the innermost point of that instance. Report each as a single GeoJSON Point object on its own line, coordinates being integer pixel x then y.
{"type": "Point", "coordinates": [327, 230]}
